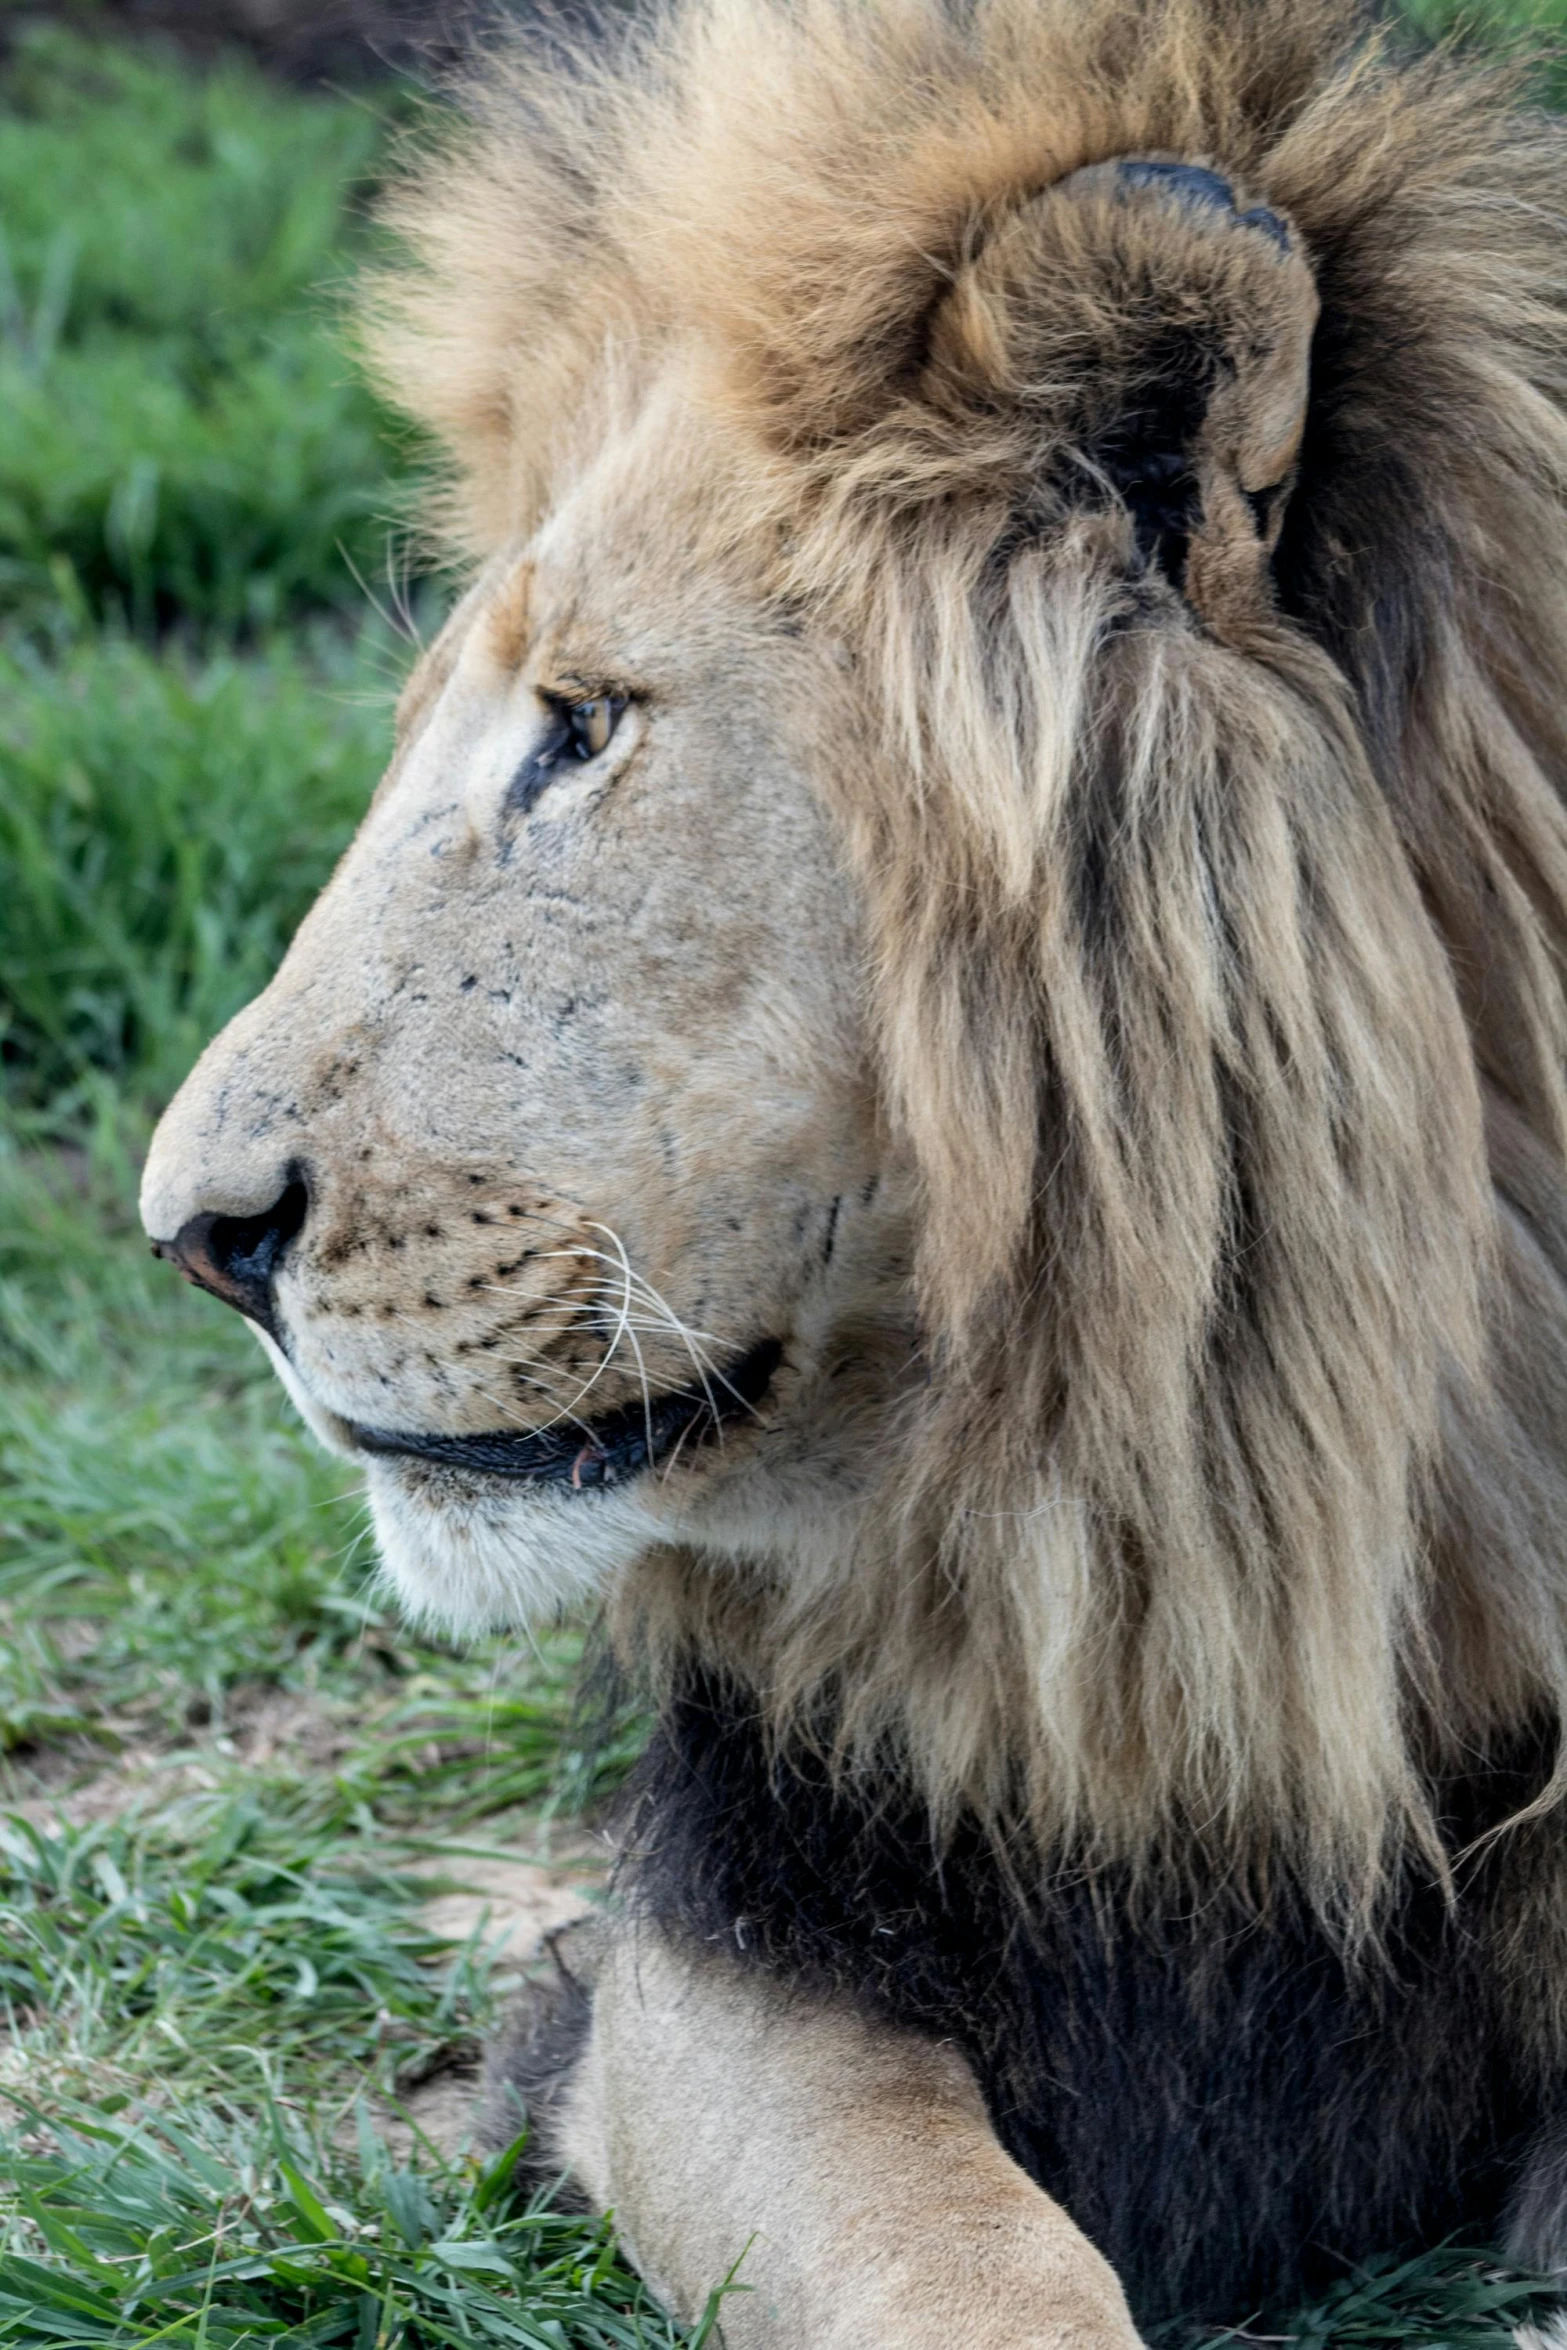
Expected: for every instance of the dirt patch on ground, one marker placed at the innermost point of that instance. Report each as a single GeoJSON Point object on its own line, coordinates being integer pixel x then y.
{"type": "Point", "coordinates": [80, 1782]}
{"type": "Point", "coordinates": [515, 1899]}
{"type": "Point", "coordinates": [512, 1900]}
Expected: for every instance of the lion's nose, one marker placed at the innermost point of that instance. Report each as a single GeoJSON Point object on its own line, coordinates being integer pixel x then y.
{"type": "Point", "coordinates": [238, 1258]}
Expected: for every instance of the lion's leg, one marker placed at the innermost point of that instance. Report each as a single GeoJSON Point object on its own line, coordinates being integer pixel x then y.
{"type": "Point", "coordinates": [711, 2110]}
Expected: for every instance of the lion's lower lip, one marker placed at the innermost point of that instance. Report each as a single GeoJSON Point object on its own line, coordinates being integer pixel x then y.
{"type": "Point", "coordinates": [584, 1455]}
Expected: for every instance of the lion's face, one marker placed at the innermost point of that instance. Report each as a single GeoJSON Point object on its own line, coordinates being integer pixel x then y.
{"type": "Point", "coordinates": [548, 1163]}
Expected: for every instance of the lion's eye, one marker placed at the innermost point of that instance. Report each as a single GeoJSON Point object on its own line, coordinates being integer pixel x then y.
{"type": "Point", "coordinates": [592, 724]}
{"type": "Point", "coordinates": [577, 730]}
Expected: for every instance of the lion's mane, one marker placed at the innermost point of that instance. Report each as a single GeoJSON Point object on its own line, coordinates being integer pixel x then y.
{"type": "Point", "coordinates": [1219, 969]}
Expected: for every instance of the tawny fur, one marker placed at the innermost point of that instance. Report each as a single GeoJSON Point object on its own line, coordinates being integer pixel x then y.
{"type": "Point", "coordinates": [1205, 952]}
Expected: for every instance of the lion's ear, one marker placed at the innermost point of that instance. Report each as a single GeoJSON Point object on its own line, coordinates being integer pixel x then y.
{"type": "Point", "coordinates": [1141, 331]}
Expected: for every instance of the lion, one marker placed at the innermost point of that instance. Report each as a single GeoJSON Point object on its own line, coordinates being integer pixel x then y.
{"type": "Point", "coordinates": [938, 1079]}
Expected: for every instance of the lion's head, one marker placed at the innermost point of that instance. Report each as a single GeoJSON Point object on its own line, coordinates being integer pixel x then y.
{"type": "Point", "coordinates": [940, 1061]}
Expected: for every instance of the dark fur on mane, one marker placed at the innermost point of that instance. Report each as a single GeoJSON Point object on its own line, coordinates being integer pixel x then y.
{"type": "Point", "coordinates": [1231, 2109]}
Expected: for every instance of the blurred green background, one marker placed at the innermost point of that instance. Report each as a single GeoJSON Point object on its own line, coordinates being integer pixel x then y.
{"type": "Point", "coordinates": [222, 1762]}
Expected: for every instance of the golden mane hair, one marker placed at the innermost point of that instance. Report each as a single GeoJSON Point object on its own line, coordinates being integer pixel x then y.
{"type": "Point", "coordinates": [1219, 955]}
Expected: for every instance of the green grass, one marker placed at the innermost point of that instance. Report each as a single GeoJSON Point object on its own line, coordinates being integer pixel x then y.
{"type": "Point", "coordinates": [193, 2236]}
{"type": "Point", "coordinates": [1532, 30]}
{"type": "Point", "coordinates": [220, 1994]}
{"type": "Point", "coordinates": [182, 429]}
{"type": "Point", "coordinates": [164, 822]}
{"type": "Point", "coordinates": [228, 1943]}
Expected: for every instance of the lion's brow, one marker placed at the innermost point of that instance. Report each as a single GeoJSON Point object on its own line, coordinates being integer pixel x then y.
{"type": "Point", "coordinates": [510, 619]}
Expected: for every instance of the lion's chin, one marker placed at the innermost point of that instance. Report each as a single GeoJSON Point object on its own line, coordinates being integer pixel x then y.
{"type": "Point", "coordinates": [464, 1553]}
{"type": "Point", "coordinates": [462, 1556]}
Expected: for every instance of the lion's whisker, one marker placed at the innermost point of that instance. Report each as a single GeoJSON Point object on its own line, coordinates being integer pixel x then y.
{"type": "Point", "coordinates": [566, 1411]}
{"type": "Point", "coordinates": [668, 1319]}
{"type": "Point", "coordinates": [509, 1410]}
{"type": "Point", "coordinates": [564, 1305]}
{"type": "Point", "coordinates": [625, 1325]}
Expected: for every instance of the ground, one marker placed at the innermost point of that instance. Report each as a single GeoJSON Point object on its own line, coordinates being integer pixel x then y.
{"type": "Point", "coordinates": [268, 1864]}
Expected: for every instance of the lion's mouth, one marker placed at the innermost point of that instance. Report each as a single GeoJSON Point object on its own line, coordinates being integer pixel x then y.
{"type": "Point", "coordinates": [587, 1454]}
